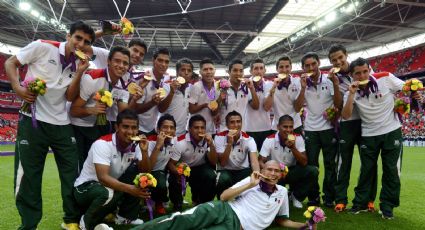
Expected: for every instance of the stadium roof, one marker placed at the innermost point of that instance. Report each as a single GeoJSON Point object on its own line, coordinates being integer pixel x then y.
{"type": "Point", "coordinates": [224, 29]}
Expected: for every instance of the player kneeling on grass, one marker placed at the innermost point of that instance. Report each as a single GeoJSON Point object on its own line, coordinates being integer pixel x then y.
{"type": "Point", "coordinates": [106, 181]}
{"type": "Point", "coordinates": [161, 148]}
{"type": "Point", "coordinates": [252, 203]}
{"type": "Point", "coordinates": [196, 149]}
{"type": "Point", "coordinates": [289, 148]}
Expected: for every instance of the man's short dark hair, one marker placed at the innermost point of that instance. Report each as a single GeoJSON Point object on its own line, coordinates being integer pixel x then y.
{"type": "Point", "coordinates": [283, 58]}
{"type": "Point", "coordinates": [231, 114]}
{"type": "Point", "coordinates": [195, 118]}
{"type": "Point", "coordinates": [335, 48]}
{"type": "Point", "coordinates": [205, 61]}
{"type": "Point", "coordinates": [285, 117]}
{"type": "Point", "coordinates": [195, 76]}
{"type": "Point", "coordinates": [80, 25]}
{"type": "Point", "coordinates": [138, 42]}
{"type": "Point", "coordinates": [182, 61]}
{"type": "Point", "coordinates": [358, 62]}
{"type": "Point", "coordinates": [165, 117]}
{"type": "Point", "coordinates": [161, 50]}
{"type": "Point", "coordinates": [309, 55]}
{"type": "Point", "coordinates": [127, 114]}
{"type": "Point", "coordinates": [120, 49]}
{"type": "Point", "coordinates": [236, 61]}
{"type": "Point", "coordinates": [258, 60]}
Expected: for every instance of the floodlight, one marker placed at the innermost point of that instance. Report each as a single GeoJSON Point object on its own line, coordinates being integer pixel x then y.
{"type": "Point", "coordinates": [321, 23]}
{"type": "Point", "coordinates": [330, 17]}
{"type": "Point", "coordinates": [35, 13]}
{"type": "Point", "coordinates": [24, 6]}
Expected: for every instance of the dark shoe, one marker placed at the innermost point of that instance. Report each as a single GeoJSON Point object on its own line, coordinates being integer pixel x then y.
{"type": "Point", "coordinates": [357, 209]}
{"type": "Point", "coordinates": [315, 202]}
{"type": "Point", "coordinates": [178, 207]}
{"type": "Point", "coordinates": [387, 215]}
{"type": "Point", "coordinates": [329, 204]}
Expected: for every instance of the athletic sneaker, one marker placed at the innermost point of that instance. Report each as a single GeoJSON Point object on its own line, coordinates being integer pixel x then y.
{"type": "Point", "coordinates": [121, 220]}
{"type": "Point", "coordinates": [371, 206]}
{"type": "Point", "coordinates": [70, 226]}
{"type": "Point", "coordinates": [159, 209]}
{"type": "Point", "coordinates": [340, 208]}
{"type": "Point", "coordinates": [82, 224]}
{"type": "Point", "coordinates": [388, 215]}
{"type": "Point", "coordinates": [296, 203]}
{"type": "Point", "coordinates": [102, 227]}
{"type": "Point", "coordinates": [357, 209]}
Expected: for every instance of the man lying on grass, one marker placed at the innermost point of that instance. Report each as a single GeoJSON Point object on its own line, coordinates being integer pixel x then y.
{"type": "Point", "coordinates": [252, 203]}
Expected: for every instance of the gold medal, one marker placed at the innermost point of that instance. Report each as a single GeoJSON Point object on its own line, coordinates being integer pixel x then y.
{"type": "Point", "coordinates": [282, 76]}
{"type": "Point", "coordinates": [256, 79]}
{"type": "Point", "coordinates": [132, 88]}
{"type": "Point", "coordinates": [336, 70]}
{"type": "Point", "coordinates": [180, 80]}
{"type": "Point", "coordinates": [81, 55]}
{"type": "Point", "coordinates": [364, 82]}
{"type": "Point", "coordinates": [291, 137]}
{"type": "Point", "coordinates": [162, 92]}
{"type": "Point", "coordinates": [213, 105]}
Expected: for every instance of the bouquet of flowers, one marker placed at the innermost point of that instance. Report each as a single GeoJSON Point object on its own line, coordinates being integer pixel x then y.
{"type": "Point", "coordinates": [127, 27]}
{"type": "Point", "coordinates": [283, 169]}
{"type": "Point", "coordinates": [105, 97]}
{"type": "Point", "coordinates": [330, 114]}
{"type": "Point", "coordinates": [223, 85]}
{"type": "Point", "coordinates": [314, 215]}
{"type": "Point", "coordinates": [402, 105]}
{"type": "Point", "coordinates": [410, 87]}
{"type": "Point", "coordinates": [38, 87]}
{"type": "Point", "coordinates": [146, 180]}
{"type": "Point", "coordinates": [184, 171]}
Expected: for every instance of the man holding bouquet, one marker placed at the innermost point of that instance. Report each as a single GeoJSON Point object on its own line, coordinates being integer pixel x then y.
{"type": "Point", "coordinates": [196, 149]}
{"type": "Point", "coordinates": [86, 109]}
{"type": "Point", "coordinates": [49, 124]}
{"type": "Point", "coordinates": [373, 97]}
{"type": "Point", "coordinates": [106, 181]}
{"type": "Point", "coordinates": [349, 135]}
{"type": "Point", "coordinates": [238, 95]}
{"type": "Point", "coordinates": [317, 90]}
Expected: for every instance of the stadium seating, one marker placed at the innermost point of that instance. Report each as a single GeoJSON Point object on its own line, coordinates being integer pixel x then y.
{"type": "Point", "coordinates": [8, 126]}
{"type": "Point", "coordinates": [401, 62]}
